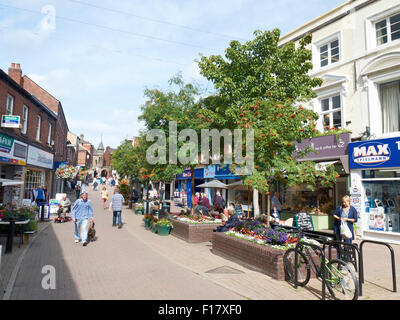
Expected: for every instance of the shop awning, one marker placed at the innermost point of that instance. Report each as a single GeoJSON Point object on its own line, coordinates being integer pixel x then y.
{"type": "Point", "coordinates": [323, 165]}
{"type": "Point", "coordinates": [213, 184]}
{"type": "Point", "coordinates": [9, 182]}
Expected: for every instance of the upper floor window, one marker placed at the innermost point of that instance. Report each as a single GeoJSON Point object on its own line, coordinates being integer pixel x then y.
{"type": "Point", "coordinates": [331, 112]}
{"type": "Point", "coordinates": [39, 123]}
{"type": "Point", "coordinates": [390, 101]}
{"type": "Point", "coordinates": [388, 29]}
{"type": "Point", "coordinates": [9, 105]}
{"type": "Point", "coordinates": [329, 53]}
{"type": "Point", "coordinates": [24, 124]}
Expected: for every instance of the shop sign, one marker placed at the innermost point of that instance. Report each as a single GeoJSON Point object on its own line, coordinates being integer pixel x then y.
{"type": "Point", "coordinates": [40, 158]}
{"type": "Point", "coordinates": [209, 172]}
{"type": "Point", "coordinates": [6, 143]}
{"type": "Point", "coordinates": [326, 147]}
{"type": "Point", "coordinates": [12, 151]}
{"type": "Point", "coordinates": [8, 121]}
{"type": "Point", "coordinates": [384, 153]}
{"type": "Point", "coordinates": [58, 164]}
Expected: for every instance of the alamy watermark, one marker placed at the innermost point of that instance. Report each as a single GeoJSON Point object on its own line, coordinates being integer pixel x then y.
{"type": "Point", "coordinates": [49, 280]}
{"type": "Point", "coordinates": [188, 153]}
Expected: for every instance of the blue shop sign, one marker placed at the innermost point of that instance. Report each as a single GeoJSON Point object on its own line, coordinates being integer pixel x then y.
{"type": "Point", "coordinates": [383, 153]}
{"type": "Point", "coordinates": [187, 175]}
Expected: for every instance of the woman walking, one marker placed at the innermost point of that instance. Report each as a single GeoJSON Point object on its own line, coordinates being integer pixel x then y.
{"type": "Point", "coordinates": [104, 197]}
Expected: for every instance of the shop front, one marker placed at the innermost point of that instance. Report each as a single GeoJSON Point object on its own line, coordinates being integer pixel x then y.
{"type": "Point", "coordinates": [319, 203]}
{"type": "Point", "coordinates": [39, 171]}
{"type": "Point", "coordinates": [184, 184]}
{"type": "Point", "coordinates": [375, 185]}
{"type": "Point", "coordinates": [13, 155]}
{"type": "Point", "coordinates": [223, 174]}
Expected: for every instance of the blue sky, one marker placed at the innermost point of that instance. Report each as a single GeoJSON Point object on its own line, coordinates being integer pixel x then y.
{"type": "Point", "coordinates": [98, 62]}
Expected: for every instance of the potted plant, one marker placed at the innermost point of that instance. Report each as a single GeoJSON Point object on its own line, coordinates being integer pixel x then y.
{"type": "Point", "coordinates": [154, 225]}
{"type": "Point", "coordinates": [164, 227]}
{"type": "Point", "coordinates": [147, 220]}
{"type": "Point", "coordinates": [139, 208]}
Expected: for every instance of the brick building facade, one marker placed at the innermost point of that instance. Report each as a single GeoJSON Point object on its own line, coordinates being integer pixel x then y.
{"type": "Point", "coordinates": [37, 143]}
{"type": "Point", "coordinates": [30, 158]}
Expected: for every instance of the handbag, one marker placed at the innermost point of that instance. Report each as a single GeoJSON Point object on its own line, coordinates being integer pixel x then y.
{"type": "Point", "coordinates": [345, 230]}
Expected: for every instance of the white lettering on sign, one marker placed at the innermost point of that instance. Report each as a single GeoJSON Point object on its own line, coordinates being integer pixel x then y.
{"type": "Point", "coordinates": [398, 144]}
{"type": "Point", "coordinates": [375, 154]}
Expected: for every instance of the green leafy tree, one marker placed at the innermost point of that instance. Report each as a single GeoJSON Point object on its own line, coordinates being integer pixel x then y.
{"type": "Point", "coordinates": [261, 86]}
{"type": "Point", "coordinates": [178, 103]}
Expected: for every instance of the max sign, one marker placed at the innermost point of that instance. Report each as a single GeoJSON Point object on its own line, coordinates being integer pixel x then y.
{"type": "Point", "coordinates": [384, 153]}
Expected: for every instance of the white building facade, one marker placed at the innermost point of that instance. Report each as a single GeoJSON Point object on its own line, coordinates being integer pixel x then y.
{"type": "Point", "coordinates": [356, 51]}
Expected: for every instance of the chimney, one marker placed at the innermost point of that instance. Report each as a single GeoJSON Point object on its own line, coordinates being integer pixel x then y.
{"type": "Point", "coordinates": [15, 73]}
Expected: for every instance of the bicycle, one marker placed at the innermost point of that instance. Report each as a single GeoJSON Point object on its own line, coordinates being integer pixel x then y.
{"type": "Point", "coordinates": [340, 278]}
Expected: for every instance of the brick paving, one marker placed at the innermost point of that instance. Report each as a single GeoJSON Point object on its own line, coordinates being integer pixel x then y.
{"type": "Point", "coordinates": [134, 263]}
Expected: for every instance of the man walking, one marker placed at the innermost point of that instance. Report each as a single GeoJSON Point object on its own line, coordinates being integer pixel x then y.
{"type": "Point", "coordinates": [81, 212]}
{"type": "Point", "coordinates": [116, 206]}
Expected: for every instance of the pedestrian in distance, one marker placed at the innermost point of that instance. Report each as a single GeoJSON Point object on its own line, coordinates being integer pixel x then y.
{"type": "Point", "coordinates": [95, 184]}
{"type": "Point", "coordinates": [104, 197]}
{"type": "Point", "coordinates": [81, 213]}
{"type": "Point", "coordinates": [117, 200]}
{"type": "Point", "coordinates": [77, 190]}
{"type": "Point", "coordinates": [135, 195]}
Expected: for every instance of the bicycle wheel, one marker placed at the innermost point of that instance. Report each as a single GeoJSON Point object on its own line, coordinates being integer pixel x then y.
{"type": "Point", "coordinates": [303, 270]}
{"type": "Point", "coordinates": [341, 280]}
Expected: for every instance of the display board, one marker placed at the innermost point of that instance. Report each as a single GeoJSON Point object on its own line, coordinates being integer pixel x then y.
{"type": "Point", "coordinates": [303, 220]}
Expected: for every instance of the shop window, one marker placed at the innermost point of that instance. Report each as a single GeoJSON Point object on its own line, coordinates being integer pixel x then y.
{"type": "Point", "coordinates": [329, 53]}
{"type": "Point", "coordinates": [382, 204]}
{"type": "Point", "coordinates": [388, 29]}
{"type": "Point", "coordinates": [331, 112]}
{"type": "Point", "coordinates": [300, 198]}
{"type": "Point", "coordinates": [390, 101]}
{"type": "Point", "coordinates": [33, 180]}
{"type": "Point", "coordinates": [9, 105]}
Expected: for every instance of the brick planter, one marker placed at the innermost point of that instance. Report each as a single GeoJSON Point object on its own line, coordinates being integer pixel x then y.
{"type": "Point", "coordinates": [193, 233]}
{"type": "Point", "coordinates": [254, 256]}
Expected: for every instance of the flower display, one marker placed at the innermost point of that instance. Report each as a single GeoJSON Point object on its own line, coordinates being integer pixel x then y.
{"type": "Point", "coordinates": [66, 172]}
{"type": "Point", "coordinates": [197, 219]}
{"type": "Point", "coordinates": [258, 232]}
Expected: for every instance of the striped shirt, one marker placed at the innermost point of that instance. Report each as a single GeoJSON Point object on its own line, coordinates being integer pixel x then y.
{"type": "Point", "coordinates": [117, 201]}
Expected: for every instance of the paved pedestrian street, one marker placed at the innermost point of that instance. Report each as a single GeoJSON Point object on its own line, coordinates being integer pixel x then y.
{"type": "Point", "coordinates": [133, 263]}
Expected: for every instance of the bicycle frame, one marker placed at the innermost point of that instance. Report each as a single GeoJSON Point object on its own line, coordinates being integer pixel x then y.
{"type": "Point", "coordinates": [334, 278]}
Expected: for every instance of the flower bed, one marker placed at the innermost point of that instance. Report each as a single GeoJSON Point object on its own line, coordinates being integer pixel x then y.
{"type": "Point", "coordinates": [201, 219]}
{"type": "Point", "coordinates": [193, 232]}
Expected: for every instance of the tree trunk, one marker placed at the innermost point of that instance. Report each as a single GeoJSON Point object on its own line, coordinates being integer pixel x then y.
{"type": "Point", "coordinates": [147, 197]}
{"type": "Point", "coordinates": [268, 208]}
{"type": "Point", "coordinates": [130, 193]}
{"type": "Point", "coordinates": [192, 193]}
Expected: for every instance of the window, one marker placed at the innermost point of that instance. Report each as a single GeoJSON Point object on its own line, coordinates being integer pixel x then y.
{"type": "Point", "coordinates": [24, 126]}
{"type": "Point", "coordinates": [39, 122]}
{"type": "Point", "coordinates": [33, 180]}
{"type": "Point", "coordinates": [9, 105]}
{"type": "Point", "coordinates": [49, 135]}
{"type": "Point", "coordinates": [388, 29]}
{"type": "Point", "coordinates": [329, 53]}
{"type": "Point", "coordinates": [331, 112]}
{"type": "Point", "coordinates": [390, 102]}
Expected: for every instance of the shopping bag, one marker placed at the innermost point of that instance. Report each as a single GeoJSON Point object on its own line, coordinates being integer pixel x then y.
{"type": "Point", "coordinates": [345, 231]}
